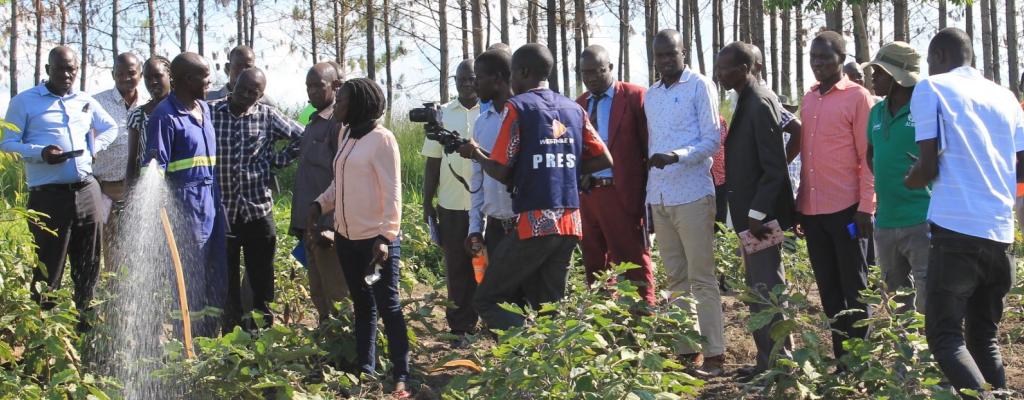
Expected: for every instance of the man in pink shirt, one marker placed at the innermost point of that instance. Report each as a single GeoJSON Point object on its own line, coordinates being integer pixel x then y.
{"type": "Point", "coordinates": [836, 195]}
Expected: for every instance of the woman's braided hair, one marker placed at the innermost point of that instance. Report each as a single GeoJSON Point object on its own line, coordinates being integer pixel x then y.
{"type": "Point", "coordinates": [366, 101]}
{"type": "Point", "coordinates": [161, 60]}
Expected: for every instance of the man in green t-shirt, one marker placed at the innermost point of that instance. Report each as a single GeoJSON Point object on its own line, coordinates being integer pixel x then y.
{"type": "Point", "coordinates": [901, 227]}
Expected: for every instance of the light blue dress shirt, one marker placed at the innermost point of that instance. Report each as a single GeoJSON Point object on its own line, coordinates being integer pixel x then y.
{"type": "Point", "coordinates": [44, 119]}
{"type": "Point", "coordinates": [604, 111]}
{"type": "Point", "coordinates": [492, 199]}
{"type": "Point", "coordinates": [980, 127]}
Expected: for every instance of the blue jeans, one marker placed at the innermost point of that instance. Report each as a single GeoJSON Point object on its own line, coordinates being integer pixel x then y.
{"type": "Point", "coordinates": [968, 277]}
{"type": "Point", "coordinates": [367, 301]}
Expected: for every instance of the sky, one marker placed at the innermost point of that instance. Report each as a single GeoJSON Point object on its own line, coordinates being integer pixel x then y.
{"type": "Point", "coordinates": [286, 67]}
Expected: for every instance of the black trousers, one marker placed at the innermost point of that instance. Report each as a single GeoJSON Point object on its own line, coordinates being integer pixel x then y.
{"type": "Point", "coordinates": [968, 278]}
{"type": "Point", "coordinates": [721, 205]}
{"type": "Point", "coordinates": [841, 271]}
{"type": "Point", "coordinates": [454, 226]}
{"type": "Point", "coordinates": [763, 271]}
{"type": "Point", "coordinates": [258, 240]}
{"type": "Point", "coordinates": [74, 215]}
{"type": "Point", "coordinates": [535, 267]}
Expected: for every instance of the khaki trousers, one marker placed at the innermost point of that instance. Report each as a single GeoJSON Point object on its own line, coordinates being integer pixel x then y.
{"type": "Point", "coordinates": [686, 241]}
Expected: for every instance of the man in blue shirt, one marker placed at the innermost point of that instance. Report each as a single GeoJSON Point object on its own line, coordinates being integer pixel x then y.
{"type": "Point", "coordinates": [180, 137]}
{"type": "Point", "coordinates": [53, 139]}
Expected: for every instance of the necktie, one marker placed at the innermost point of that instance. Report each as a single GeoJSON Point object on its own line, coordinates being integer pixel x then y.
{"type": "Point", "coordinates": [595, 99]}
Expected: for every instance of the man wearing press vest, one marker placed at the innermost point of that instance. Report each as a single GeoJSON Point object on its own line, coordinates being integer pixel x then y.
{"type": "Point", "coordinates": [545, 142]}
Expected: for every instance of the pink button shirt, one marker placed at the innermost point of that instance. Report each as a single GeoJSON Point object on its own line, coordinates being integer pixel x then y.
{"type": "Point", "coordinates": [366, 193]}
{"type": "Point", "coordinates": [833, 147]}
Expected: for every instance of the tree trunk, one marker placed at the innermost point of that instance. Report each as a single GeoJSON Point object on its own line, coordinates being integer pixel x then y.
{"type": "Point", "coordinates": [464, 19]}
{"type": "Point", "coordinates": [371, 51]}
{"type": "Point", "coordinates": [649, 16]}
{"type": "Point", "coordinates": [773, 48]}
{"type": "Point", "coordinates": [716, 34]}
{"type": "Point", "coordinates": [113, 26]}
{"type": "Point", "coordinates": [151, 11]}
{"type": "Point", "coordinates": [200, 27]}
{"type": "Point", "coordinates": [62, 7]}
{"type": "Point", "coordinates": [986, 39]}
{"type": "Point", "coordinates": [787, 45]}
{"type": "Point", "coordinates": [578, 21]}
{"type": "Point", "coordinates": [745, 21]}
{"type": "Point", "coordinates": [687, 32]}
{"type": "Point", "coordinates": [860, 40]}
{"type": "Point", "coordinates": [624, 40]}
{"type": "Point", "coordinates": [695, 12]}
{"type": "Point", "coordinates": [386, 22]}
{"type": "Point", "coordinates": [312, 29]}
{"type": "Point", "coordinates": [83, 73]}
{"type": "Point", "coordinates": [552, 15]}
{"type": "Point", "coordinates": [899, 20]}
{"type": "Point", "coordinates": [478, 31]}
{"type": "Point", "coordinates": [503, 5]}
{"type": "Point", "coordinates": [881, 25]}
{"type": "Point", "coordinates": [993, 8]}
{"type": "Point", "coordinates": [736, 20]}
{"type": "Point", "coordinates": [251, 12]}
{"type": "Point", "coordinates": [563, 22]}
{"type": "Point", "coordinates": [1011, 46]}
{"type": "Point", "coordinates": [39, 42]}
{"type": "Point", "coordinates": [800, 38]}
{"type": "Point", "coordinates": [337, 31]}
{"type": "Point", "coordinates": [834, 18]}
{"type": "Point", "coordinates": [721, 24]}
{"type": "Point", "coordinates": [489, 24]}
{"type": "Point", "coordinates": [678, 16]}
{"type": "Point", "coordinates": [442, 16]}
{"type": "Point", "coordinates": [942, 14]}
{"type": "Point", "coordinates": [969, 18]}
{"type": "Point", "coordinates": [183, 26]}
{"type": "Point", "coordinates": [532, 21]}
{"type": "Point", "coordinates": [239, 20]}
{"type": "Point", "coordinates": [757, 31]}
{"type": "Point", "coordinates": [14, 48]}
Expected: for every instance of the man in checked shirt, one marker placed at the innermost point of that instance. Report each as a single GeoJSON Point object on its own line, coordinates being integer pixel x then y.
{"type": "Point", "coordinates": [246, 133]}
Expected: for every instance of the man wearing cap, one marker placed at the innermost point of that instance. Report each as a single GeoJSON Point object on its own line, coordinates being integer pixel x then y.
{"type": "Point", "coordinates": [901, 227]}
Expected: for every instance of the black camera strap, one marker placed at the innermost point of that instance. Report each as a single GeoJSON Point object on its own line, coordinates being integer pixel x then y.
{"type": "Point", "coordinates": [463, 180]}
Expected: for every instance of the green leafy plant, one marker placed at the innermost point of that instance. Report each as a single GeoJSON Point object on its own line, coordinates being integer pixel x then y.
{"type": "Point", "coordinates": [592, 345]}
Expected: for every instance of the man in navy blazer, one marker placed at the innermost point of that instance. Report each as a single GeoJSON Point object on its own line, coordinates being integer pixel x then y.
{"type": "Point", "coordinates": [613, 200]}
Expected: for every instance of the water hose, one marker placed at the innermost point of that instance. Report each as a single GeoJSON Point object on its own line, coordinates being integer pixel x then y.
{"type": "Point", "coordinates": [176, 259]}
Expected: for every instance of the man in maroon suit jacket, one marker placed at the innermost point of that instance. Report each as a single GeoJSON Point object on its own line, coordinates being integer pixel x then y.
{"type": "Point", "coordinates": [612, 204]}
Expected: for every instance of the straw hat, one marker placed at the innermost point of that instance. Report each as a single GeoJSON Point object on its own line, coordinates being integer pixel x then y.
{"type": "Point", "coordinates": [901, 61]}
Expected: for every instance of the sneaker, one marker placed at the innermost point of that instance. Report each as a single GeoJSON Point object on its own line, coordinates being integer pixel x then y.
{"type": "Point", "coordinates": [712, 367]}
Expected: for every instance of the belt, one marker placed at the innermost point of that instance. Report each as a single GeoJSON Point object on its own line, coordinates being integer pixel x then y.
{"type": "Point", "coordinates": [508, 224]}
{"type": "Point", "coordinates": [63, 187]}
{"type": "Point", "coordinates": [596, 182]}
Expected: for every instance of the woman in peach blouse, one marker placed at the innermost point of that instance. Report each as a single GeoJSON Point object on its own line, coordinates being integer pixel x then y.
{"type": "Point", "coordinates": [366, 198]}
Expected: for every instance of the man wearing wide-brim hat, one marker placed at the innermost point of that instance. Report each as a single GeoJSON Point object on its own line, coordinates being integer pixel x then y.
{"type": "Point", "coordinates": [901, 227]}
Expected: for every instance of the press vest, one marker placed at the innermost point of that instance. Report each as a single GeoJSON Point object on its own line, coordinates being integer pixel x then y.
{"type": "Point", "coordinates": [550, 145]}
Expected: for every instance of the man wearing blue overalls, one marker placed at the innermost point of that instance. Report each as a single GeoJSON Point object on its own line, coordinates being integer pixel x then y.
{"type": "Point", "coordinates": [180, 137]}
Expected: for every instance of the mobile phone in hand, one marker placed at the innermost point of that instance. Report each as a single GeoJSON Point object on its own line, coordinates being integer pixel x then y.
{"type": "Point", "coordinates": [70, 154]}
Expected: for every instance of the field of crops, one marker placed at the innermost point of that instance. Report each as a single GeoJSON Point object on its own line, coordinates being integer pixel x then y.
{"type": "Point", "coordinates": [590, 346]}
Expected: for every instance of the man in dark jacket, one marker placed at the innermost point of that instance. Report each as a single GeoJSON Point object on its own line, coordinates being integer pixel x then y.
{"type": "Point", "coordinates": [758, 185]}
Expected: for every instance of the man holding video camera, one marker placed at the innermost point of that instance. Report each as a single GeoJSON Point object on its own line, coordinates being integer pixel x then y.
{"type": "Point", "coordinates": [50, 127]}
{"type": "Point", "coordinates": [446, 176]}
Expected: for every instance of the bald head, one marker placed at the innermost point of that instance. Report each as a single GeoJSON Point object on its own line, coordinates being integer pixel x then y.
{"type": "Point", "coordinates": [322, 80]}
{"type": "Point", "coordinates": [248, 90]}
{"type": "Point", "coordinates": [596, 69]}
{"type": "Point", "coordinates": [735, 65]}
{"type": "Point", "coordinates": [239, 59]}
{"type": "Point", "coordinates": [501, 47]}
{"type": "Point", "coordinates": [669, 50]}
{"type": "Point", "coordinates": [62, 69]}
{"type": "Point", "coordinates": [325, 71]}
{"type": "Point", "coordinates": [951, 48]}
{"type": "Point", "coordinates": [596, 53]}
{"type": "Point", "coordinates": [465, 82]}
{"type": "Point", "coordinates": [854, 72]}
{"type": "Point", "coordinates": [190, 75]}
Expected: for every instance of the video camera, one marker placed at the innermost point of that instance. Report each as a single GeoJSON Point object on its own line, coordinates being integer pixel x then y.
{"type": "Point", "coordinates": [430, 116]}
